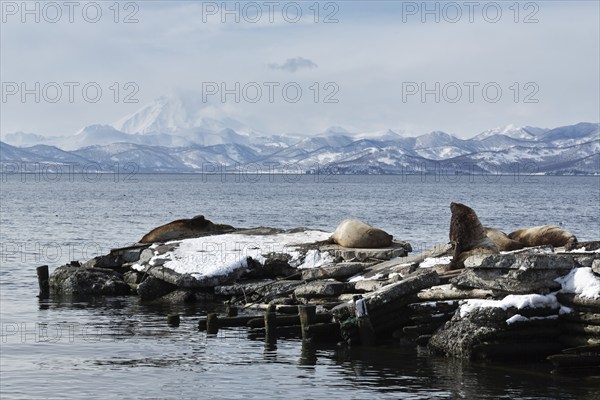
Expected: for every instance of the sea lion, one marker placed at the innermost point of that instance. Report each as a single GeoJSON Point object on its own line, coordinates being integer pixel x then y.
{"type": "Point", "coordinates": [356, 234]}
{"type": "Point", "coordinates": [501, 240]}
{"type": "Point", "coordinates": [184, 229]}
{"type": "Point", "coordinates": [543, 235]}
{"type": "Point", "coordinates": [467, 235]}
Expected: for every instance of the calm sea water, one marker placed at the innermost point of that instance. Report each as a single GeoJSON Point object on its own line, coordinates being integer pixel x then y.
{"type": "Point", "coordinates": [118, 348]}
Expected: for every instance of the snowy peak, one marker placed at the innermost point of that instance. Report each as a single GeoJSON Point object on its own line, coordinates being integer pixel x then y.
{"type": "Point", "coordinates": [513, 131]}
{"type": "Point", "coordinates": [176, 114]}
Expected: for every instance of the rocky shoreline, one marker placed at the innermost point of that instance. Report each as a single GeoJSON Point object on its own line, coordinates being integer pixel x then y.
{"type": "Point", "coordinates": [466, 299]}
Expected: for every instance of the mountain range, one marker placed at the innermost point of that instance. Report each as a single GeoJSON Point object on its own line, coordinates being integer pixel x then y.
{"type": "Point", "coordinates": [177, 135]}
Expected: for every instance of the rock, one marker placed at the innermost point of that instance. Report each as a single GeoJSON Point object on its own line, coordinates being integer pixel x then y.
{"type": "Point", "coordinates": [582, 317]}
{"type": "Point", "coordinates": [574, 300]}
{"type": "Point", "coordinates": [463, 335]}
{"type": "Point", "coordinates": [188, 281]}
{"type": "Point", "coordinates": [368, 285]}
{"type": "Point", "coordinates": [128, 254]}
{"type": "Point", "coordinates": [543, 235]}
{"type": "Point", "coordinates": [449, 292]}
{"type": "Point", "coordinates": [263, 289]}
{"type": "Point", "coordinates": [596, 267]}
{"type": "Point", "coordinates": [79, 281]}
{"type": "Point", "coordinates": [145, 256]}
{"type": "Point", "coordinates": [106, 261]}
{"type": "Point", "coordinates": [468, 235]}
{"type": "Point", "coordinates": [396, 249]}
{"type": "Point", "coordinates": [324, 288]}
{"type": "Point", "coordinates": [275, 265]}
{"type": "Point", "coordinates": [356, 234]}
{"type": "Point", "coordinates": [152, 288]}
{"type": "Point", "coordinates": [588, 246]}
{"type": "Point", "coordinates": [185, 229]}
{"type": "Point", "coordinates": [515, 272]}
{"type": "Point", "coordinates": [405, 266]}
{"type": "Point", "coordinates": [181, 296]}
{"type": "Point", "coordinates": [390, 293]}
{"type": "Point", "coordinates": [133, 278]}
{"type": "Point", "coordinates": [334, 271]}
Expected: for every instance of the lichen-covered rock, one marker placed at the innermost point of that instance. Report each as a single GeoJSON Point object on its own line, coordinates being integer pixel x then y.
{"type": "Point", "coordinates": [80, 281]}
{"type": "Point", "coordinates": [325, 288]}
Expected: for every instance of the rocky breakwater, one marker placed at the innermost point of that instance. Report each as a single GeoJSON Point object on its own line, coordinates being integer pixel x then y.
{"type": "Point", "coordinates": [484, 295]}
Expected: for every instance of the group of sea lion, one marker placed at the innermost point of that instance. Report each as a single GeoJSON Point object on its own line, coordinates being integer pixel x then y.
{"type": "Point", "coordinates": [467, 235]}
{"type": "Point", "coordinates": [470, 237]}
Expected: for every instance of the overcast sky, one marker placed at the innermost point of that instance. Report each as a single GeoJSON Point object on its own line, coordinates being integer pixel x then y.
{"type": "Point", "coordinates": [367, 71]}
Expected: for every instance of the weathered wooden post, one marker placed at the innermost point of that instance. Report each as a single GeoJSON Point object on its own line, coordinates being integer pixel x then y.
{"type": "Point", "coordinates": [270, 330]}
{"type": "Point", "coordinates": [173, 320]}
{"type": "Point", "coordinates": [43, 281]}
{"type": "Point", "coordinates": [212, 324]}
{"type": "Point", "coordinates": [307, 318]}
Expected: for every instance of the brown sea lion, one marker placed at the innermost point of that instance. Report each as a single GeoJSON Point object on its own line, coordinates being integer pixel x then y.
{"type": "Point", "coordinates": [543, 235]}
{"type": "Point", "coordinates": [467, 235]}
{"type": "Point", "coordinates": [184, 229]}
{"type": "Point", "coordinates": [501, 240]}
{"type": "Point", "coordinates": [356, 234]}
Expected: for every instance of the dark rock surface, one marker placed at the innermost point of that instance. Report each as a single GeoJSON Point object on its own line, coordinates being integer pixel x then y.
{"type": "Point", "coordinates": [71, 280]}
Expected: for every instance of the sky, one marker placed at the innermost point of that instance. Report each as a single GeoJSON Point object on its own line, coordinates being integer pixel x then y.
{"type": "Point", "coordinates": [413, 67]}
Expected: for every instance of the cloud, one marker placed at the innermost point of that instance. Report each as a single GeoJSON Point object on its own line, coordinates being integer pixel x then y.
{"type": "Point", "coordinates": [294, 64]}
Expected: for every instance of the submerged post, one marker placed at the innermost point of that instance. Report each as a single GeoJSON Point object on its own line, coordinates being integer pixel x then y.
{"type": "Point", "coordinates": [212, 324]}
{"type": "Point", "coordinates": [307, 318]}
{"type": "Point", "coordinates": [43, 281]}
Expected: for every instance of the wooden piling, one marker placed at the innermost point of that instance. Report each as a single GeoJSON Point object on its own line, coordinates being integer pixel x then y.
{"type": "Point", "coordinates": [212, 324]}
{"type": "Point", "coordinates": [270, 329]}
{"type": "Point", "coordinates": [43, 281]}
{"type": "Point", "coordinates": [307, 318]}
{"type": "Point", "coordinates": [173, 320]}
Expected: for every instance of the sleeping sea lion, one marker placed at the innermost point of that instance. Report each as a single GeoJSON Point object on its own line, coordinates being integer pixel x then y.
{"type": "Point", "coordinates": [467, 235]}
{"type": "Point", "coordinates": [356, 234]}
{"type": "Point", "coordinates": [543, 235]}
{"type": "Point", "coordinates": [501, 240]}
{"type": "Point", "coordinates": [184, 229]}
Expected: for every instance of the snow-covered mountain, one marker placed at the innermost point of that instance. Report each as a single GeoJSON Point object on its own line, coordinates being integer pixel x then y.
{"type": "Point", "coordinates": [178, 134]}
{"type": "Point", "coordinates": [177, 114]}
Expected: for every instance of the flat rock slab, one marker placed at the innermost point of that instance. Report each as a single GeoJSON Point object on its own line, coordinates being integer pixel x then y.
{"type": "Point", "coordinates": [320, 289]}
{"type": "Point", "coordinates": [397, 249]}
{"type": "Point", "coordinates": [450, 292]}
{"type": "Point", "coordinates": [390, 293]}
{"type": "Point", "coordinates": [334, 271]}
{"type": "Point", "coordinates": [368, 285]}
{"type": "Point", "coordinates": [187, 281]}
{"type": "Point", "coordinates": [522, 261]}
{"type": "Point", "coordinates": [518, 281]}
{"type": "Point", "coordinates": [264, 288]}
